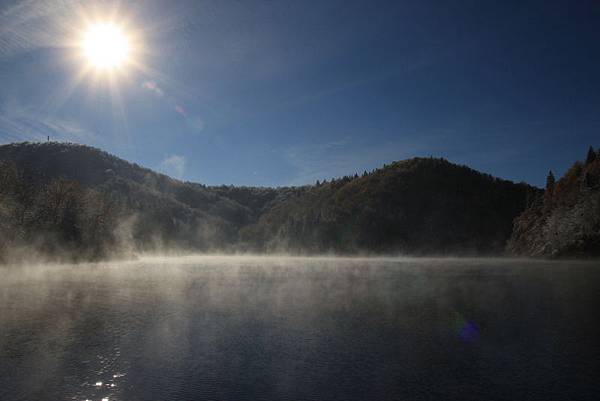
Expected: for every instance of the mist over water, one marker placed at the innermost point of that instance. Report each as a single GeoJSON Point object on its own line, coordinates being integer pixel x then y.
{"type": "Point", "coordinates": [283, 328]}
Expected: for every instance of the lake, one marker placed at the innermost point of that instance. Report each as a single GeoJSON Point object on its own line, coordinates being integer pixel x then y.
{"type": "Point", "coordinates": [269, 328]}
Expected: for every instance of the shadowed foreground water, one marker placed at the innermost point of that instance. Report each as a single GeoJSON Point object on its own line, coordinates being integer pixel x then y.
{"type": "Point", "coordinates": [216, 328]}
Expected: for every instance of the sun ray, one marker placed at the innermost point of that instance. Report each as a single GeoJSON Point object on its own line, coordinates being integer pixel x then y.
{"type": "Point", "coordinates": [107, 49]}
{"type": "Point", "coordinates": [62, 97]}
{"type": "Point", "coordinates": [117, 108]}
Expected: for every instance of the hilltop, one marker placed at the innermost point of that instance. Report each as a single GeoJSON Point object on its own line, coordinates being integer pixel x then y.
{"type": "Point", "coordinates": [420, 205]}
{"type": "Point", "coordinates": [75, 198]}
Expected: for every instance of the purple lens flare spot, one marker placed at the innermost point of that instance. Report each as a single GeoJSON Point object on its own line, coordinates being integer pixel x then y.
{"type": "Point", "coordinates": [469, 332]}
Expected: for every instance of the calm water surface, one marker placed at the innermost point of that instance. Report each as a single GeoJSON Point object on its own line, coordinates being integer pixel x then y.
{"type": "Point", "coordinates": [216, 328]}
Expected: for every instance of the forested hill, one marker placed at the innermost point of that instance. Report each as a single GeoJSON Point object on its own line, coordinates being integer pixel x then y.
{"type": "Point", "coordinates": [77, 200]}
{"type": "Point", "coordinates": [416, 206]}
{"type": "Point", "coordinates": [46, 200]}
{"type": "Point", "coordinates": [564, 221]}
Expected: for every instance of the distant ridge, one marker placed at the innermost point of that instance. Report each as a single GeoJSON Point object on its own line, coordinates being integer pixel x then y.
{"type": "Point", "coordinates": [415, 206]}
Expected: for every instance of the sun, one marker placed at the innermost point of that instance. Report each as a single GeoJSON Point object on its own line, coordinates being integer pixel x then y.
{"type": "Point", "coordinates": [106, 46]}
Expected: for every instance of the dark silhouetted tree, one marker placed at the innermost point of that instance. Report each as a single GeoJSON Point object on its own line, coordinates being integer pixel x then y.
{"type": "Point", "coordinates": [591, 156]}
{"type": "Point", "coordinates": [550, 181]}
{"type": "Point", "coordinates": [550, 186]}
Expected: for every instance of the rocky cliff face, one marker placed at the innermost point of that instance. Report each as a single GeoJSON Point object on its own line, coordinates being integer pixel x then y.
{"type": "Point", "coordinates": [565, 221]}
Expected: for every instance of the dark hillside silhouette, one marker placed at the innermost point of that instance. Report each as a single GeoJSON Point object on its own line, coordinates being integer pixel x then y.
{"type": "Point", "coordinates": [92, 204]}
{"type": "Point", "coordinates": [421, 205]}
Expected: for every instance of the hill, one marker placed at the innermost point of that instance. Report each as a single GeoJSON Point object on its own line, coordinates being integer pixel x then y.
{"type": "Point", "coordinates": [47, 196]}
{"type": "Point", "coordinates": [564, 221]}
{"type": "Point", "coordinates": [77, 200]}
{"type": "Point", "coordinates": [416, 206]}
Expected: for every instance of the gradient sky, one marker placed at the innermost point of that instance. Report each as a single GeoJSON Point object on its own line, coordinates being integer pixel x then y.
{"type": "Point", "coordinates": [277, 92]}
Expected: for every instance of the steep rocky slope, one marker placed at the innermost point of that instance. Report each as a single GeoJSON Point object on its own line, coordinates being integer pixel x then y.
{"type": "Point", "coordinates": [565, 220]}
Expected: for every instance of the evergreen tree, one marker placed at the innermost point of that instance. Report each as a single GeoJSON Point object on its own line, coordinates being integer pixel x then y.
{"type": "Point", "coordinates": [591, 156]}
{"type": "Point", "coordinates": [549, 194]}
{"type": "Point", "coordinates": [550, 182]}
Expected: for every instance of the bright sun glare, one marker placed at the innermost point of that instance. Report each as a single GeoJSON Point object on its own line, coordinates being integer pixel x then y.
{"type": "Point", "coordinates": [106, 46]}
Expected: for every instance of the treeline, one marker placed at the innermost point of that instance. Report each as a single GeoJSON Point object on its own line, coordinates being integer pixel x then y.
{"type": "Point", "coordinates": [155, 212]}
{"type": "Point", "coordinates": [416, 206]}
{"type": "Point", "coordinates": [57, 219]}
{"type": "Point", "coordinates": [66, 199]}
{"type": "Point", "coordinates": [347, 178]}
{"type": "Point", "coordinates": [564, 221]}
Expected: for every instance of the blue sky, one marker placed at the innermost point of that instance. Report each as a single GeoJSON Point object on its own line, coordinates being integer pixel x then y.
{"type": "Point", "coordinates": [286, 92]}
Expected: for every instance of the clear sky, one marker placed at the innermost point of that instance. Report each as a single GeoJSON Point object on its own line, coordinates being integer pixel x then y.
{"type": "Point", "coordinates": [278, 92]}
